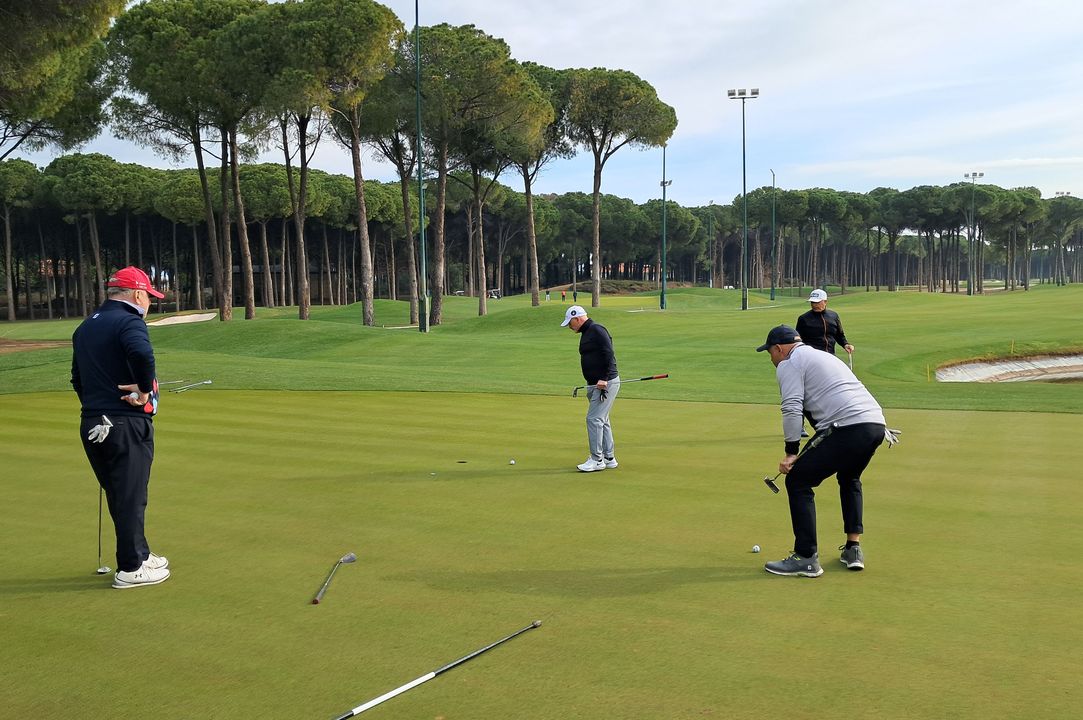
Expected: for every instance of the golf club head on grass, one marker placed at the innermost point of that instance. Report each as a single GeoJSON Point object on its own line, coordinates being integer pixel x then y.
{"type": "Point", "coordinates": [103, 570]}
{"type": "Point", "coordinates": [347, 558]}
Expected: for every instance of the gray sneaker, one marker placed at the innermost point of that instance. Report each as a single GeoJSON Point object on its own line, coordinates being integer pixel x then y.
{"type": "Point", "coordinates": [852, 557]}
{"type": "Point", "coordinates": [796, 565]}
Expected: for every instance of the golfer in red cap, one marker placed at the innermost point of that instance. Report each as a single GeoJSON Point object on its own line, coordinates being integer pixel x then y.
{"type": "Point", "coordinates": [112, 372]}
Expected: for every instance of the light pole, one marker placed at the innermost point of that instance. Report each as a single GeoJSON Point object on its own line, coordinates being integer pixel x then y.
{"type": "Point", "coordinates": [971, 264]}
{"type": "Point", "coordinates": [423, 288]}
{"type": "Point", "coordinates": [742, 95]}
{"type": "Point", "coordinates": [665, 183]}
{"type": "Point", "coordinates": [773, 267]}
{"type": "Point", "coordinates": [710, 239]}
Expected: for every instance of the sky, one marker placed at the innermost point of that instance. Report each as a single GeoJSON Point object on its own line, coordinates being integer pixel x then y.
{"type": "Point", "coordinates": [854, 94]}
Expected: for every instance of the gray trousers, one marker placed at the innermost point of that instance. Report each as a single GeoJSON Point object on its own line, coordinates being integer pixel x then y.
{"type": "Point", "coordinates": [599, 432]}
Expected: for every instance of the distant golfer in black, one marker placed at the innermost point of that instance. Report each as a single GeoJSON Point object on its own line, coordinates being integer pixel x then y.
{"type": "Point", "coordinates": [112, 372]}
{"type": "Point", "coordinates": [849, 425]}
{"type": "Point", "coordinates": [599, 366]}
{"type": "Point", "coordinates": [821, 328]}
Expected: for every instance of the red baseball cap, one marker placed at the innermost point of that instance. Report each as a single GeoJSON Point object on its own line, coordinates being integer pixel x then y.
{"type": "Point", "coordinates": [132, 278]}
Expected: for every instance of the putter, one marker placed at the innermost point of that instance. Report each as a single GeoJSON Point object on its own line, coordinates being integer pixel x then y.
{"type": "Point", "coordinates": [186, 388]}
{"type": "Point", "coordinates": [575, 391]}
{"type": "Point", "coordinates": [816, 440]}
{"type": "Point", "coordinates": [851, 354]}
{"type": "Point", "coordinates": [347, 558]}
{"type": "Point", "coordinates": [429, 676]}
{"type": "Point", "coordinates": [102, 569]}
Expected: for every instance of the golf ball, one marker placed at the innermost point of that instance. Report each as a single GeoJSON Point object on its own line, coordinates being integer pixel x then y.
{"type": "Point", "coordinates": [511, 462]}
{"type": "Point", "coordinates": [133, 395]}
{"type": "Point", "coordinates": [755, 548]}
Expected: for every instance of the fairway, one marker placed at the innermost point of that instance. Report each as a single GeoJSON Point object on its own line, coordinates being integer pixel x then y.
{"type": "Point", "coordinates": [321, 438]}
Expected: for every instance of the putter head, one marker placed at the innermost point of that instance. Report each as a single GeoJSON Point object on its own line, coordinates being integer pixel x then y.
{"type": "Point", "coordinates": [575, 392]}
{"type": "Point", "coordinates": [349, 558]}
{"type": "Point", "coordinates": [103, 570]}
{"type": "Point", "coordinates": [771, 484]}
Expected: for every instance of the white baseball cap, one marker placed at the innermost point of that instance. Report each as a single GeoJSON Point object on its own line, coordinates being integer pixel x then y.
{"type": "Point", "coordinates": [817, 296]}
{"type": "Point", "coordinates": [573, 311]}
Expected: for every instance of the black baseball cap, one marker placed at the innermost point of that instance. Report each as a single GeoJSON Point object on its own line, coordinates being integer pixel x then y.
{"type": "Point", "coordinates": [780, 335]}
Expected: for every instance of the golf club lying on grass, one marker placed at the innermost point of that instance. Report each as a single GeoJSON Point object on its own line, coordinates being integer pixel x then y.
{"type": "Point", "coordinates": [425, 678]}
{"type": "Point", "coordinates": [185, 388]}
{"type": "Point", "coordinates": [102, 569]}
{"type": "Point", "coordinates": [816, 440]}
{"type": "Point", "coordinates": [347, 558]}
{"type": "Point", "coordinates": [575, 391]}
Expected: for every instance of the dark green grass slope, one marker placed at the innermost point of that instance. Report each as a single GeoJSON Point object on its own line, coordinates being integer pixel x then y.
{"type": "Point", "coordinates": [703, 340]}
{"type": "Point", "coordinates": [653, 605]}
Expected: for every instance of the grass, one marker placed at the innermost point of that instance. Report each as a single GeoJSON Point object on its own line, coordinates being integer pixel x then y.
{"type": "Point", "coordinates": [653, 605]}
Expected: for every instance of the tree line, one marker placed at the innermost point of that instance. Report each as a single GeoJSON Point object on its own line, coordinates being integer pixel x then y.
{"type": "Point", "coordinates": [217, 81]}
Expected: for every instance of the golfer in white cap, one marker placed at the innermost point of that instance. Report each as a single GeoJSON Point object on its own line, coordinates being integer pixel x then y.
{"type": "Point", "coordinates": [600, 371]}
{"type": "Point", "coordinates": [821, 328]}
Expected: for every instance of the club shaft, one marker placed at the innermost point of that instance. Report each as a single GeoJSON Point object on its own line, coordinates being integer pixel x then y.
{"type": "Point", "coordinates": [429, 676]}
{"type": "Point", "coordinates": [624, 382]}
{"type": "Point", "coordinates": [319, 595]}
{"type": "Point", "coordinates": [100, 492]}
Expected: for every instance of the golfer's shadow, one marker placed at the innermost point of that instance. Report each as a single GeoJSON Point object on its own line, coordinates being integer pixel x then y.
{"type": "Point", "coordinates": [38, 585]}
{"type": "Point", "coordinates": [586, 582]}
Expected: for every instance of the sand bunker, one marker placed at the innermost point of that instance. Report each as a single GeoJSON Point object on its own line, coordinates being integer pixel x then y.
{"type": "Point", "coordinates": [178, 319]}
{"type": "Point", "coordinates": [1048, 368]}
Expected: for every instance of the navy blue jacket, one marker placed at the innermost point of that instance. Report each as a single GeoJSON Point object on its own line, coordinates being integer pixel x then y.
{"type": "Point", "coordinates": [596, 353]}
{"type": "Point", "coordinates": [110, 348]}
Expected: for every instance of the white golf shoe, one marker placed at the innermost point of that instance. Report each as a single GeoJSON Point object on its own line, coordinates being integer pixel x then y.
{"type": "Point", "coordinates": [143, 576]}
{"type": "Point", "coordinates": [610, 463]}
{"type": "Point", "coordinates": [590, 465]}
{"type": "Point", "coordinates": [156, 562]}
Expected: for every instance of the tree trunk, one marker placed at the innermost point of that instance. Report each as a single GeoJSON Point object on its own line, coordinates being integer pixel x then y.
{"type": "Point", "coordinates": [96, 248]}
{"type": "Point", "coordinates": [411, 244]}
{"type": "Point", "coordinates": [197, 272]}
{"type": "Point", "coordinates": [595, 228]}
{"type": "Point", "coordinates": [8, 264]}
{"type": "Point", "coordinates": [531, 239]}
{"type": "Point", "coordinates": [367, 312]}
{"type": "Point", "coordinates": [436, 312]}
{"type": "Point", "coordinates": [267, 284]}
{"type": "Point", "coordinates": [212, 231]}
{"type": "Point", "coordinates": [299, 200]}
{"type": "Point", "coordinates": [248, 281]}
{"type": "Point", "coordinates": [226, 233]}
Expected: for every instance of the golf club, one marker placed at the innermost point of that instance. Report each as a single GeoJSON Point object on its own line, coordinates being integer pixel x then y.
{"type": "Point", "coordinates": [816, 440]}
{"type": "Point", "coordinates": [347, 558]}
{"type": "Point", "coordinates": [185, 388]}
{"type": "Point", "coordinates": [851, 354]}
{"type": "Point", "coordinates": [171, 382]}
{"type": "Point", "coordinates": [102, 569]}
{"type": "Point", "coordinates": [425, 678]}
{"type": "Point", "coordinates": [575, 391]}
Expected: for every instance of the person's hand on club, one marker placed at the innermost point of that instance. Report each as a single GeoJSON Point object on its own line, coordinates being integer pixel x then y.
{"type": "Point", "coordinates": [139, 399]}
{"type": "Point", "coordinates": [602, 385]}
{"type": "Point", "coordinates": [849, 348]}
{"type": "Point", "coordinates": [98, 433]}
{"type": "Point", "coordinates": [786, 465]}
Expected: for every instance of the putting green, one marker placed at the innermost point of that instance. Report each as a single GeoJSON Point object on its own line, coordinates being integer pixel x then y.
{"type": "Point", "coordinates": [653, 604]}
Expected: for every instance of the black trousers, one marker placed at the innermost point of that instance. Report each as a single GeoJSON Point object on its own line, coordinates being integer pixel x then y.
{"type": "Point", "coordinates": [122, 465]}
{"type": "Point", "coordinates": [846, 453]}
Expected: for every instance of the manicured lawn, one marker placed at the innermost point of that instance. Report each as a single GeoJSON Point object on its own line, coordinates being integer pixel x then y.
{"type": "Point", "coordinates": [652, 603]}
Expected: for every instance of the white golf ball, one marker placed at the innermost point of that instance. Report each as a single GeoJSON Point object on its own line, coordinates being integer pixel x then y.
{"type": "Point", "coordinates": [133, 395]}
{"type": "Point", "coordinates": [511, 462]}
{"type": "Point", "coordinates": [755, 548]}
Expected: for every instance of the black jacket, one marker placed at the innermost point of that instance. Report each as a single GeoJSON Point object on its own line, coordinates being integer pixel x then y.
{"type": "Point", "coordinates": [110, 348]}
{"type": "Point", "coordinates": [596, 353]}
{"type": "Point", "coordinates": [821, 330]}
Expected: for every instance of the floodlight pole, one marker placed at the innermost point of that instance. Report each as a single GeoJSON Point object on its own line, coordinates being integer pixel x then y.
{"type": "Point", "coordinates": [665, 184]}
{"type": "Point", "coordinates": [742, 95]}
{"type": "Point", "coordinates": [774, 267]}
{"type": "Point", "coordinates": [423, 288]}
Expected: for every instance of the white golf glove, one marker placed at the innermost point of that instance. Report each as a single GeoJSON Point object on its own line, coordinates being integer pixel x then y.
{"type": "Point", "coordinates": [99, 433]}
{"type": "Point", "coordinates": [891, 436]}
